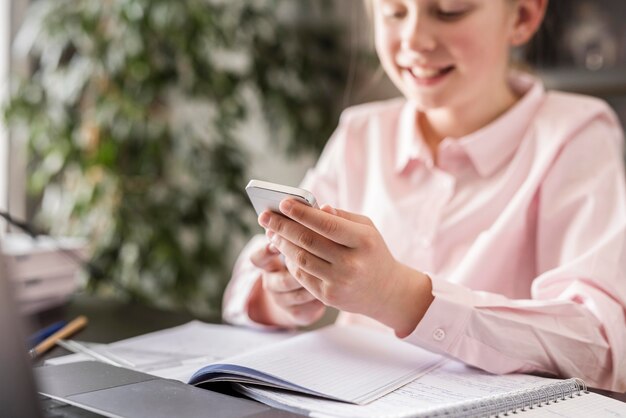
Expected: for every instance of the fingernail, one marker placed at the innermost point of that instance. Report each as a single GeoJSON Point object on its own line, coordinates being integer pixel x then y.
{"type": "Point", "coordinates": [264, 218]}
{"type": "Point", "coordinates": [285, 206]}
{"type": "Point", "coordinates": [269, 233]}
{"type": "Point", "coordinates": [272, 249]}
{"type": "Point", "coordinates": [329, 209]}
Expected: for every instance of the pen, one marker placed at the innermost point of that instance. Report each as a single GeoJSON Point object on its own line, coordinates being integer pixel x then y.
{"type": "Point", "coordinates": [77, 347]}
{"type": "Point", "coordinates": [64, 332]}
{"type": "Point", "coordinates": [42, 334]}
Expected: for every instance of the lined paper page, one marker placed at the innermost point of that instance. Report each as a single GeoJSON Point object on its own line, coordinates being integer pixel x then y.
{"type": "Point", "coordinates": [449, 384]}
{"type": "Point", "coordinates": [584, 406]}
{"type": "Point", "coordinates": [353, 364]}
{"type": "Point", "coordinates": [178, 352]}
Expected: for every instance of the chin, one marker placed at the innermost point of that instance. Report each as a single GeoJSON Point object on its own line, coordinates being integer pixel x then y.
{"type": "Point", "coordinates": [427, 103]}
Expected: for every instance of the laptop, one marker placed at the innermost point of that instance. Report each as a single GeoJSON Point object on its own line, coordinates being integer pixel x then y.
{"type": "Point", "coordinates": [90, 388]}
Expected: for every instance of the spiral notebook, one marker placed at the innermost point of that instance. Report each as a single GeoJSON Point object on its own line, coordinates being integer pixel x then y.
{"type": "Point", "coordinates": [456, 390]}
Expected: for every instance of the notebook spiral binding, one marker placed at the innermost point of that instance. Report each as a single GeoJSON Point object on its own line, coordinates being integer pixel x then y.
{"type": "Point", "coordinates": [514, 402]}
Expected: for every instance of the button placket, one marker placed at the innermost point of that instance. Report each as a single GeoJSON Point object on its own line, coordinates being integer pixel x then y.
{"type": "Point", "coordinates": [441, 191]}
{"type": "Point", "coordinates": [439, 334]}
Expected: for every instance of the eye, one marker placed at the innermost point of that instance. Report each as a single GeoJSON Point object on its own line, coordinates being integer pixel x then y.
{"type": "Point", "coordinates": [451, 10]}
{"type": "Point", "coordinates": [394, 11]}
{"type": "Point", "coordinates": [450, 15]}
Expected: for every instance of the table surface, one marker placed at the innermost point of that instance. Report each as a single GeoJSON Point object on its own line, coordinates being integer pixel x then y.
{"type": "Point", "coordinates": [111, 321]}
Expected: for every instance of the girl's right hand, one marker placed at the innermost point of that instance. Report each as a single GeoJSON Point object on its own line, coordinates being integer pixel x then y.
{"type": "Point", "coordinates": [283, 301]}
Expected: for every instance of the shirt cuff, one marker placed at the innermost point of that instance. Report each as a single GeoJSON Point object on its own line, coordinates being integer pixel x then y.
{"type": "Point", "coordinates": [446, 319]}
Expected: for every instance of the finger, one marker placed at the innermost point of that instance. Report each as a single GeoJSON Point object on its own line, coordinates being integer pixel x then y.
{"type": "Point", "coordinates": [267, 258]}
{"type": "Point", "coordinates": [307, 313]}
{"type": "Point", "coordinates": [302, 236]}
{"type": "Point", "coordinates": [335, 228]}
{"type": "Point", "coordinates": [354, 217]}
{"type": "Point", "coordinates": [293, 298]}
{"type": "Point", "coordinates": [291, 266]}
{"type": "Point", "coordinates": [280, 282]}
{"type": "Point", "coordinates": [306, 280]}
{"type": "Point", "coordinates": [261, 256]}
{"type": "Point", "coordinates": [311, 283]}
{"type": "Point", "coordinates": [303, 259]}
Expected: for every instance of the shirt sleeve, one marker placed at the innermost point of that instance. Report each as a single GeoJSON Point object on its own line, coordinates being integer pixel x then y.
{"type": "Point", "coordinates": [237, 294]}
{"type": "Point", "coordinates": [574, 323]}
{"type": "Point", "coordinates": [322, 181]}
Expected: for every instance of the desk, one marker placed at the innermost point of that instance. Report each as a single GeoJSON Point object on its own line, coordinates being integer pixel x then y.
{"type": "Point", "coordinates": [110, 321]}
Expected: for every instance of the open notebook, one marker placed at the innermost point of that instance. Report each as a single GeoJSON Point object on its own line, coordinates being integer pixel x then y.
{"type": "Point", "coordinates": [349, 364]}
{"type": "Point", "coordinates": [456, 390]}
{"type": "Point", "coordinates": [450, 386]}
{"type": "Point", "coordinates": [358, 372]}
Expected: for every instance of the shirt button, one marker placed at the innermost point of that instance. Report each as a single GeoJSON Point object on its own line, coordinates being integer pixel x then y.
{"type": "Point", "coordinates": [439, 334]}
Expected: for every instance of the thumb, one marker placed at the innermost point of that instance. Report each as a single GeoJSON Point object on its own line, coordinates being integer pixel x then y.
{"type": "Point", "coordinates": [354, 217]}
{"type": "Point", "coordinates": [267, 259]}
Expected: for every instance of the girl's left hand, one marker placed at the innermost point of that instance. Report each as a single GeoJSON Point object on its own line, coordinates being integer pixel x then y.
{"type": "Point", "coordinates": [342, 260]}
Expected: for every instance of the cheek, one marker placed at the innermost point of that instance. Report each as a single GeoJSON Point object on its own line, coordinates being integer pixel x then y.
{"type": "Point", "coordinates": [480, 43]}
{"type": "Point", "coordinates": [477, 54]}
{"type": "Point", "coordinates": [386, 49]}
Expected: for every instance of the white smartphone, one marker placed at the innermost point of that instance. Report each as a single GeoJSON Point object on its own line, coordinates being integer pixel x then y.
{"type": "Point", "coordinates": [265, 195]}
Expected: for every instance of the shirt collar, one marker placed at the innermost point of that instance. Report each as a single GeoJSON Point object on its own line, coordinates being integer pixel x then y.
{"type": "Point", "coordinates": [411, 145]}
{"type": "Point", "coordinates": [489, 147]}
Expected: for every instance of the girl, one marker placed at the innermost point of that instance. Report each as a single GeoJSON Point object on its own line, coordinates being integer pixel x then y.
{"type": "Point", "coordinates": [481, 216]}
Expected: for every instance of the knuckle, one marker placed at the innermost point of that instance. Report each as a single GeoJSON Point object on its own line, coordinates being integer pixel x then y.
{"type": "Point", "coordinates": [299, 274]}
{"type": "Point", "coordinates": [367, 241]}
{"type": "Point", "coordinates": [343, 259]}
{"type": "Point", "coordinates": [329, 226]}
{"type": "Point", "coordinates": [329, 295]}
{"type": "Point", "coordinates": [351, 266]}
{"type": "Point", "coordinates": [278, 224]}
{"type": "Point", "coordinates": [302, 258]}
{"type": "Point", "coordinates": [305, 239]}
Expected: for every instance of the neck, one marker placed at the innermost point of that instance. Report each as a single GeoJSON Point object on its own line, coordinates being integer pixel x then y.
{"type": "Point", "coordinates": [459, 121]}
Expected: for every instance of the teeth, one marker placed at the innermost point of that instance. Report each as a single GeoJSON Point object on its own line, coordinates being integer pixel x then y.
{"type": "Point", "coordinates": [424, 72]}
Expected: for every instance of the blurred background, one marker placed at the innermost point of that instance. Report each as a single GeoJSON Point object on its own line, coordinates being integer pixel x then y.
{"type": "Point", "coordinates": [135, 124]}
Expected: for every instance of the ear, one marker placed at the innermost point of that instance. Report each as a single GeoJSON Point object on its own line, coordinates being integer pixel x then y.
{"type": "Point", "coordinates": [528, 17]}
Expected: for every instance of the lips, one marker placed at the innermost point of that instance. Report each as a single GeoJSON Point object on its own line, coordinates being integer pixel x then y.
{"type": "Point", "coordinates": [426, 77]}
{"type": "Point", "coordinates": [429, 73]}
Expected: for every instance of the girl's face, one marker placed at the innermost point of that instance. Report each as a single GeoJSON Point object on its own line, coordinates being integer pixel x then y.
{"type": "Point", "coordinates": [446, 53]}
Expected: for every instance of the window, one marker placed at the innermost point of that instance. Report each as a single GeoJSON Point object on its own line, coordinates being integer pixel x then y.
{"type": "Point", "coordinates": [5, 34]}
{"type": "Point", "coordinates": [12, 154]}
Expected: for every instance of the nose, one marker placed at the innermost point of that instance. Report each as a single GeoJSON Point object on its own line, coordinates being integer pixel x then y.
{"type": "Point", "coordinates": [417, 34]}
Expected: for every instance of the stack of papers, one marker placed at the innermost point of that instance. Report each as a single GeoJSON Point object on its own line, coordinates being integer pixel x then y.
{"type": "Point", "coordinates": [43, 273]}
{"type": "Point", "coordinates": [177, 353]}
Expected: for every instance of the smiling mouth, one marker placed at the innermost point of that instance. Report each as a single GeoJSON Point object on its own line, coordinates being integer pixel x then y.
{"type": "Point", "coordinates": [429, 73]}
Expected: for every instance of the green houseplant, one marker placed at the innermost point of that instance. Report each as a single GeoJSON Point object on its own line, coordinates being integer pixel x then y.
{"type": "Point", "coordinates": [131, 114]}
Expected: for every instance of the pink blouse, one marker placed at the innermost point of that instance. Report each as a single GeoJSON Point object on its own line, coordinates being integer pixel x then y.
{"type": "Point", "coordinates": [521, 226]}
